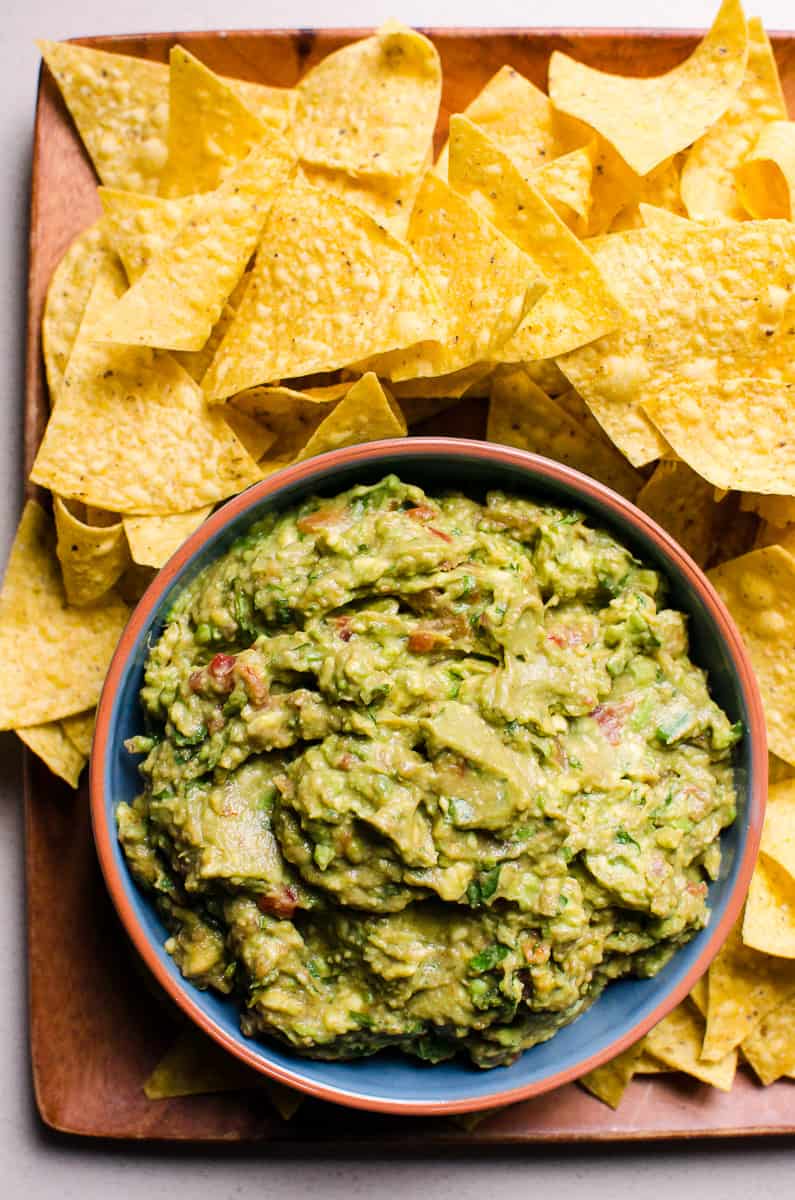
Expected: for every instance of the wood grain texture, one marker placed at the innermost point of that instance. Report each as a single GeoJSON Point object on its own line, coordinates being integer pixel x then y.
{"type": "Point", "coordinates": [97, 1024]}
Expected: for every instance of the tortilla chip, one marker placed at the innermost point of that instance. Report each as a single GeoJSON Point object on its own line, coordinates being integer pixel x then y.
{"type": "Point", "coordinates": [778, 770]}
{"type": "Point", "coordinates": [744, 986]}
{"type": "Point", "coordinates": [699, 994]}
{"type": "Point", "coordinates": [195, 1066]}
{"type": "Point", "coordinates": [49, 743]}
{"type": "Point", "coordinates": [647, 1064]}
{"type": "Point", "coordinates": [546, 373]}
{"type": "Point", "coordinates": [759, 592]}
{"type": "Point", "coordinates": [370, 108]}
{"type": "Point", "coordinates": [55, 657]}
{"type": "Point", "coordinates": [565, 184]}
{"type": "Point", "coordinates": [578, 305]}
{"type": "Point", "coordinates": [771, 1047]}
{"type": "Point", "coordinates": [416, 409]}
{"type": "Point", "coordinates": [366, 414]}
{"type": "Point", "coordinates": [210, 129]}
{"type": "Point", "coordinates": [80, 730]}
{"type": "Point", "coordinates": [648, 120]}
{"type": "Point", "coordinates": [677, 1041]}
{"type": "Point", "coordinates": [132, 433]}
{"type": "Point", "coordinates": [735, 532]}
{"type": "Point", "coordinates": [776, 535]}
{"type": "Point", "coordinates": [388, 201]}
{"type": "Point", "coordinates": [707, 306]}
{"type": "Point", "coordinates": [609, 1082]}
{"type": "Point", "coordinates": [329, 286]}
{"type": "Point", "coordinates": [177, 301]}
{"type": "Point", "coordinates": [120, 107]}
{"type": "Point", "coordinates": [140, 227]}
{"type": "Point", "coordinates": [578, 410]}
{"type": "Point", "coordinates": [777, 510]}
{"type": "Point", "coordinates": [275, 106]}
{"type": "Point", "coordinates": [154, 539]}
{"type": "Point", "coordinates": [67, 296]}
{"type": "Point", "coordinates": [654, 217]}
{"type": "Point", "coordinates": [255, 436]}
{"type": "Point", "coordinates": [660, 188]}
{"type": "Point", "coordinates": [520, 414]}
{"type": "Point", "coordinates": [766, 179]}
{"type": "Point", "coordinates": [484, 280]}
{"type": "Point", "coordinates": [92, 557]}
{"type": "Point", "coordinates": [708, 184]}
{"type": "Point", "coordinates": [778, 836]}
{"type": "Point", "coordinates": [682, 502]}
{"type": "Point", "coordinates": [196, 362]}
{"type": "Point", "coordinates": [134, 582]}
{"type": "Point", "coordinates": [451, 386]}
{"type": "Point", "coordinates": [769, 923]}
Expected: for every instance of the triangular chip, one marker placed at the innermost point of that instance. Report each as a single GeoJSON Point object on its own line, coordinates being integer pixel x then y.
{"type": "Point", "coordinates": [450, 386]}
{"type": "Point", "coordinates": [485, 283]}
{"type": "Point", "coordinates": [67, 296]}
{"type": "Point", "coordinates": [154, 539]}
{"type": "Point", "coordinates": [370, 108]}
{"type": "Point", "coordinates": [778, 836]}
{"type": "Point", "coordinates": [683, 503]}
{"type": "Point", "coordinates": [766, 179]}
{"type": "Point", "coordinates": [120, 107]}
{"type": "Point", "coordinates": [707, 306]}
{"type": "Point", "coordinates": [49, 743]}
{"type": "Point", "coordinates": [648, 120]}
{"type": "Point", "coordinates": [365, 414]}
{"type": "Point", "coordinates": [744, 986]}
{"type": "Point", "coordinates": [769, 924]}
{"type": "Point", "coordinates": [132, 433]}
{"type": "Point", "coordinates": [770, 1049]}
{"type": "Point", "coordinates": [520, 414]}
{"type": "Point", "coordinates": [209, 127]}
{"type": "Point", "coordinates": [140, 227]}
{"type": "Point", "coordinates": [80, 730]}
{"type": "Point", "coordinates": [329, 287]}
{"type": "Point", "coordinates": [565, 184]}
{"type": "Point", "coordinates": [177, 301]}
{"type": "Point", "coordinates": [677, 1041]}
{"type": "Point", "coordinates": [256, 436]}
{"type": "Point", "coordinates": [54, 657]}
{"type": "Point", "coordinates": [708, 184]}
{"type": "Point", "coordinates": [699, 994]}
{"type": "Point", "coordinates": [778, 770]}
{"type": "Point", "coordinates": [759, 592]}
{"type": "Point", "coordinates": [388, 201]}
{"type": "Point", "coordinates": [777, 510]}
{"type": "Point", "coordinates": [92, 557]}
{"type": "Point", "coordinates": [578, 305]}
{"type": "Point", "coordinates": [660, 188]}
{"type": "Point", "coordinates": [609, 1082]}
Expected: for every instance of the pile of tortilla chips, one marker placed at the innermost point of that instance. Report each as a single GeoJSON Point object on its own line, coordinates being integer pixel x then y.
{"type": "Point", "coordinates": [279, 272]}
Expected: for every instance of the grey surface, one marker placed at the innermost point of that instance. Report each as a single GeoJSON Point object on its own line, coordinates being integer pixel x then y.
{"type": "Point", "coordinates": [34, 1163]}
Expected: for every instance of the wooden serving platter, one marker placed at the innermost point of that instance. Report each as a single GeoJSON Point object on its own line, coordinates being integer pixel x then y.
{"type": "Point", "coordinates": [98, 1024]}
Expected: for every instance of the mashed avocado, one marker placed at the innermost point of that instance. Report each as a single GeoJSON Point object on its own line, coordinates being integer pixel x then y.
{"type": "Point", "coordinates": [426, 773]}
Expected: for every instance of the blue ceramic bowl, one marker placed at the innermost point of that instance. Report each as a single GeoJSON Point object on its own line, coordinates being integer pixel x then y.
{"type": "Point", "coordinates": [627, 1009]}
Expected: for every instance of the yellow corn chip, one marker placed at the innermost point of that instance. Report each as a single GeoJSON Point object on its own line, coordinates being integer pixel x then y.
{"type": "Point", "coordinates": [450, 386]}
{"type": "Point", "coordinates": [654, 217]}
{"type": "Point", "coordinates": [177, 301]}
{"type": "Point", "coordinates": [648, 120]}
{"type": "Point", "coordinates": [769, 923]}
{"type": "Point", "coordinates": [195, 1066]}
{"type": "Point", "coordinates": [370, 108]}
{"type": "Point", "coordinates": [572, 403]}
{"type": "Point", "coordinates": [196, 362]}
{"type": "Point", "coordinates": [66, 300]}
{"type": "Point", "coordinates": [55, 657]}
{"type": "Point", "coordinates": [776, 535]}
{"type": "Point", "coordinates": [49, 743]}
{"type": "Point", "coordinates": [209, 127]}
{"type": "Point", "coordinates": [578, 305]}
{"type": "Point", "coordinates": [520, 414]}
{"type": "Point", "coordinates": [485, 282]}
{"type": "Point", "coordinates": [120, 107]}
{"type": "Point", "coordinates": [647, 1064]}
{"type": "Point", "coordinates": [547, 374]}
{"type": "Point", "coordinates": [777, 510]}
{"type": "Point", "coordinates": [778, 770]}
{"type": "Point", "coordinates": [708, 184]}
{"type": "Point", "coordinates": [388, 201]}
{"type": "Point", "coordinates": [707, 306]}
{"type": "Point", "coordinates": [660, 189]}
{"type": "Point", "coordinates": [766, 179]}
{"type": "Point", "coordinates": [329, 286]}
{"type": "Point", "coordinates": [365, 414]}
{"type": "Point", "coordinates": [759, 592]}
{"type": "Point", "coordinates": [609, 1082]}
{"type": "Point", "coordinates": [132, 433]}
{"type": "Point", "coordinates": [416, 410]}
{"type": "Point", "coordinates": [771, 1047]}
{"type": "Point", "coordinates": [80, 730]}
{"type": "Point", "coordinates": [699, 994]}
{"type": "Point", "coordinates": [778, 837]}
{"type": "Point", "coordinates": [275, 106]}
{"type": "Point", "coordinates": [92, 557]}
{"type": "Point", "coordinates": [682, 502]}
{"type": "Point", "coordinates": [677, 1040]}
{"type": "Point", "coordinates": [140, 228]}
{"type": "Point", "coordinates": [255, 436]}
{"type": "Point", "coordinates": [565, 184]}
{"type": "Point", "coordinates": [744, 986]}
{"type": "Point", "coordinates": [154, 539]}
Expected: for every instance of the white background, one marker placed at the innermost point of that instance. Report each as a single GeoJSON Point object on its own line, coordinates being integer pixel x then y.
{"type": "Point", "coordinates": [35, 1164]}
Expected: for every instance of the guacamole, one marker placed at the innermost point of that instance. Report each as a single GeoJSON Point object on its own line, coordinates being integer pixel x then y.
{"type": "Point", "coordinates": [426, 773]}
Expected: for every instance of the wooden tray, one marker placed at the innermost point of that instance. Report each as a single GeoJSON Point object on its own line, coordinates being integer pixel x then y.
{"type": "Point", "coordinates": [97, 1023]}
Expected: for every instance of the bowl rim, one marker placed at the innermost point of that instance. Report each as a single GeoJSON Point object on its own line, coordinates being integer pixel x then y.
{"type": "Point", "coordinates": [182, 993]}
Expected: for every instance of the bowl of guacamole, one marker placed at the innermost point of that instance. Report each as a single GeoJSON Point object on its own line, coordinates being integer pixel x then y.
{"type": "Point", "coordinates": [424, 775]}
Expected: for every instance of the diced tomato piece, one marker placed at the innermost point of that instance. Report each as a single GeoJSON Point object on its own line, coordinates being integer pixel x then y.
{"type": "Point", "coordinates": [344, 631]}
{"type": "Point", "coordinates": [255, 685]}
{"type": "Point", "coordinates": [439, 533]}
{"type": "Point", "coordinates": [421, 641]}
{"type": "Point", "coordinates": [221, 668]}
{"type": "Point", "coordinates": [421, 512]}
{"type": "Point", "coordinates": [611, 717]}
{"type": "Point", "coordinates": [197, 681]}
{"type": "Point", "coordinates": [279, 904]}
{"type": "Point", "coordinates": [321, 518]}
